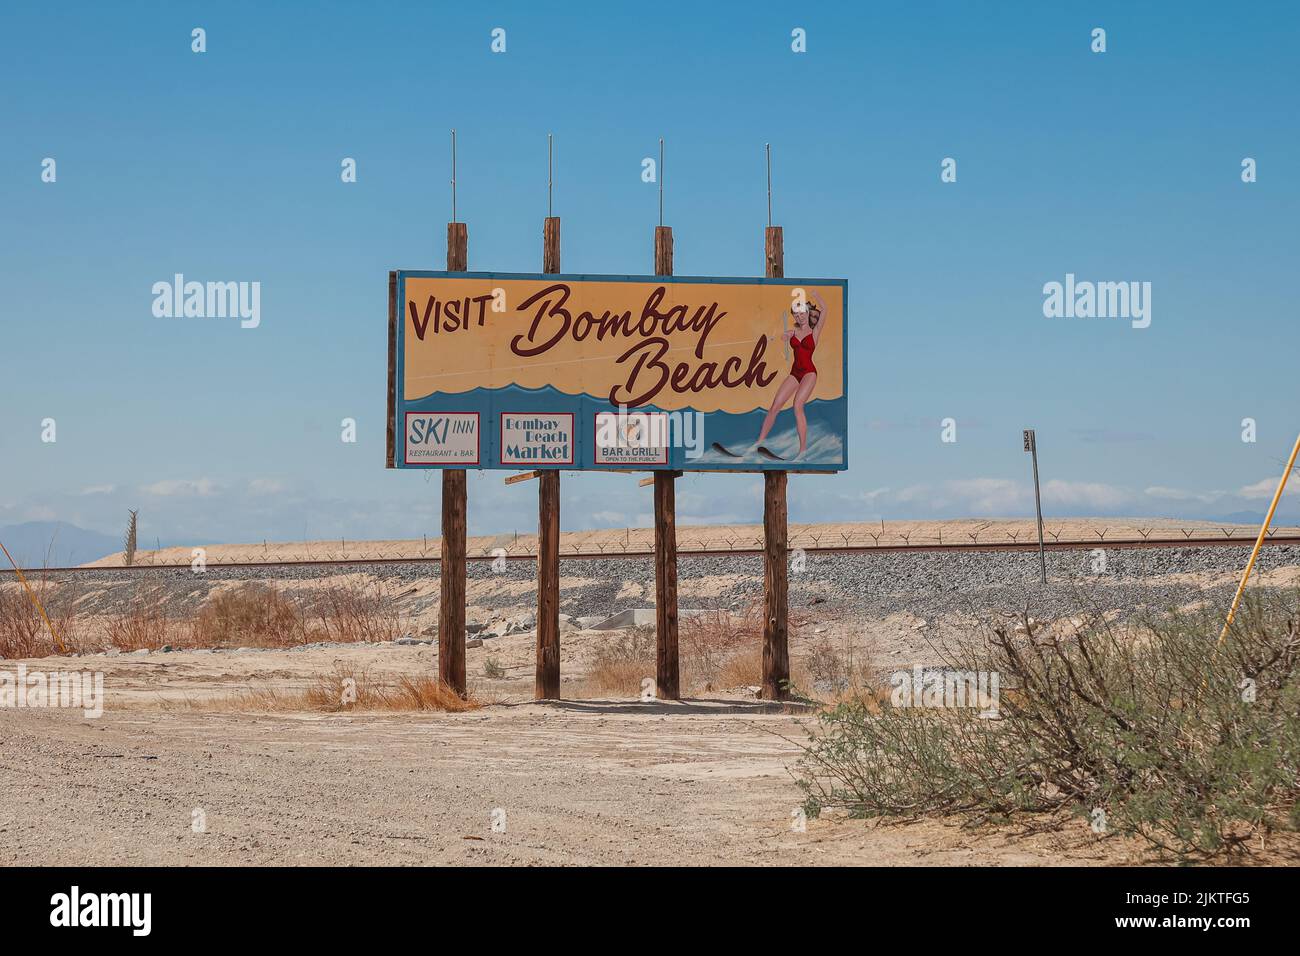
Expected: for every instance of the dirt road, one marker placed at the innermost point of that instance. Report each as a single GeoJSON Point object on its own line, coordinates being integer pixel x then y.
{"type": "Point", "coordinates": [581, 783]}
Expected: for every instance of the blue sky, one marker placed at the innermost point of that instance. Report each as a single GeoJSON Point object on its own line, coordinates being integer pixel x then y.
{"type": "Point", "coordinates": [1118, 166]}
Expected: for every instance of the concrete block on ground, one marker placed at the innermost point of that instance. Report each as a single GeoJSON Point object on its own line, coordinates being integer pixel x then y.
{"type": "Point", "coordinates": [639, 617]}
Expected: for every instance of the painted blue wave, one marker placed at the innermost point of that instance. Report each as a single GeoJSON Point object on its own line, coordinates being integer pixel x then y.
{"type": "Point", "coordinates": [735, 431]}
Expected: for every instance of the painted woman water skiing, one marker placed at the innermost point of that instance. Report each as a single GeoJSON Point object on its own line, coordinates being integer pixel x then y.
{"type": "Point", "coordinates": [801, 381]}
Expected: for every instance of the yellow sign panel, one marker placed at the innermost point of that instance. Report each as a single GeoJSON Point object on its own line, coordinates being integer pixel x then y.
{"type": "Point", "coordinates": [707, 346]}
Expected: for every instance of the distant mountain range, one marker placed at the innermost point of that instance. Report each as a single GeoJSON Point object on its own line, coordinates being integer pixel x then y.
{"type": "Point", "coordinates": [37, 544]}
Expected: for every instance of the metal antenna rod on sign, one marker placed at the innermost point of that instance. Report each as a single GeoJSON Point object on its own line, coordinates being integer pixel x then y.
{"type": "Point", "coordinates": [785, 316]}
{"type": "Point", "coordinates": [767, 147]}
{"type": "Point", "coordinates": [661, 180]}
{"type": "Point", "coordinates": [453, 175]}
{"type": "Point", "coordinates": [550, 170]}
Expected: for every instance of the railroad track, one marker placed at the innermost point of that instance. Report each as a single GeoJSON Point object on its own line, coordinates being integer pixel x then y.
{"type": "Point", "coordinates": [1122, 544]}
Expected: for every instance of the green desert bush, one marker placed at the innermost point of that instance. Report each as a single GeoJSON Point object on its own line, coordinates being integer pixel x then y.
{"type": "Point", "coordinates": [1149, 729]}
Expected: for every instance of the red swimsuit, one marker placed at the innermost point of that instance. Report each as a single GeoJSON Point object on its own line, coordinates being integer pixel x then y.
{"type": "Point", "coordinates": [803, 350]}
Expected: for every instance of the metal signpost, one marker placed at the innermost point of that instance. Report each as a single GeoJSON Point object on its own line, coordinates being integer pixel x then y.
{"type": "Point", "coordinates": [1031, 446]}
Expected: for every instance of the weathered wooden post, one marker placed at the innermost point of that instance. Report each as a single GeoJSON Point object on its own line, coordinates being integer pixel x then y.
{"type": "Point", "coordinates": [667, 679]}
{"type": "Point", "coordinates": [451, 612]}
{"type": "Point", "coordinates": [776, 602]}
{"type": "Point", "coordinates": [547, 681]}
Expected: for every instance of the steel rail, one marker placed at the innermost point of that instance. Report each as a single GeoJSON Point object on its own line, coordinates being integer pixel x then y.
{"type": "Point", "coordinates": [1120, 544]}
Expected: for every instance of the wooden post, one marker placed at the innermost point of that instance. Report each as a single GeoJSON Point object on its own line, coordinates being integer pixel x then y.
{"type": "Point", "coordinates": [776, 606]}
{"type": "Point", "coordinates": [774, 252]}
{"type": "Point", "coordinates": [551, 244]}
{"type": "Point", "coordinates": [547, 681]}
{"type": "Point", "coordinates": [457, 247]}
{"type": "Point", "coordinates": [776, 600]}
{"type": "Point", "coordinates": [663, 250]}
{"type": "Point", "coordinates": [451, 611]}
{"type": "Point", "coordinates": [667, 676]}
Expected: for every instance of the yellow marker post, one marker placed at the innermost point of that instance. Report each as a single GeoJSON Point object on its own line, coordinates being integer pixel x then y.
{"type": "Point", "coordinates": [1259, 542]}
{"type": "Point", "coordinates": [31, 594]}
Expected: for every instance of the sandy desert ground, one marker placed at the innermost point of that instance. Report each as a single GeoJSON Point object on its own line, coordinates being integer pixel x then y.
{"type": "Point", "coordinates": [581, 782]}
{"type": "Point", "coordinates": [597, 778]}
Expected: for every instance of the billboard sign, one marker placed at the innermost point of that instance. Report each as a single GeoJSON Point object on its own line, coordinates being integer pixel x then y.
{"type": "Point", "coordinates": [518, 371]}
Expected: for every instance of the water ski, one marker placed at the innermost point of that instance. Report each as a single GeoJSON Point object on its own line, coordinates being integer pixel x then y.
{"type": "Point", "coordinates": [726, 451]}
{"type": "Point", "coordinates": [766, 453]}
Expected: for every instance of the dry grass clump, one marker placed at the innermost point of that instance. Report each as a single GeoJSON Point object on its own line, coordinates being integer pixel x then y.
{"type": "Point", "coordinates": [724, 651]}
{"type": "Point", "coordinates": [744, 668]}
{"type": "Point", "coordinates": [620, 663]}
{"type": "Point", "coordinates": [353, 615]}
{"type": "Point", "coordinates": [718, 651]}
{"type": "Point", "coordinates": [23, 632]}
{"type": "Point", "coordinates": [708, 640]}
{"type": "Point", "coordinates": [253, 615]}
{"type": "Point", "coordinates": [144, 624]}
{"type": "Point", "coordinates": [741, 668]}
{"type": "Point", "coordinates": [345, 690]}
{"type": "Point", "coordinates": [835, 672]}
{"type": "Point", "coordinates": [259, 616]}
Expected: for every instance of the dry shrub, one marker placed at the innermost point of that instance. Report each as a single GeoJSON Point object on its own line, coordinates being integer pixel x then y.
{"type": "Point", "coordinates": [724, 650]}
{"type": "Point", "coordinates": [354, 615]}
{"type": "Point", "coordinates": [620, 663]}
{"type": "Point", "coordinates": [145, 624]}
{"type": "Point", "coordinates": [345, 690]}
{"type": "Point", "coordinates": [251, 616]}
{"type": "Point", "coordinates": [1168, 736]}
{"type": "Point", "coordinates": [709, 639]}
{"type": "Point", "coordinates": [743, 668]}
{"type": "Point", "coordinates": [23, 632]}
{"type": "Point", "coordinates": [718, 650]}
{"type": "Point", "coordinates": [427, 693]}
{"type": "Point", "coordinates": [259, 616]}
{"type": "Point", "coordinates": [836, 672]}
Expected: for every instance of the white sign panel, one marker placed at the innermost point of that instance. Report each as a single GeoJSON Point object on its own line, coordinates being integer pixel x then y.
{"type": "Point", "coordinates": [631, 438]}
{"type": "Point", "coordinates": [442, 438]}
{"type": "Point", "coordinates": [536, 438]}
